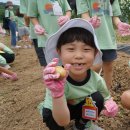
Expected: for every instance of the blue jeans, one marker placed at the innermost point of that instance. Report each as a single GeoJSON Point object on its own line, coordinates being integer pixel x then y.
{"type": "Point", "coordinates": [12, 27]}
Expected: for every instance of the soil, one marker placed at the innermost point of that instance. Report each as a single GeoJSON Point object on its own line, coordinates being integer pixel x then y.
{"type": "Point", "coordinates": [19, 99]}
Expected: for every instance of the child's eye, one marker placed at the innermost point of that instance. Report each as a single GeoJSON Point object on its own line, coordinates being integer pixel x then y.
{"type": "Point", "coordinates": [70, 48]}
{"type": "Point", "coordinates": [86, 49]}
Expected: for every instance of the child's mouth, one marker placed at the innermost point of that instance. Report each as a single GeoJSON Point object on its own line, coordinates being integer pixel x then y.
{"type": "Point", "coordinates": [78, 66]}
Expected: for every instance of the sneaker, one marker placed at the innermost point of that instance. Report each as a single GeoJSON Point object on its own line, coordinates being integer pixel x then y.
{"type": "Point", "coordinates": [16, 47]}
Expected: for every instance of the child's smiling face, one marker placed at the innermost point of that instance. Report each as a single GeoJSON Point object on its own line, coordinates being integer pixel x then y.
{"type": "Point", "coordinates": [80, 56]}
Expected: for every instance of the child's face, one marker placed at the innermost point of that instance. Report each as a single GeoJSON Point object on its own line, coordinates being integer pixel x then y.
{"type": "Point", "coordinates": [79, 55]}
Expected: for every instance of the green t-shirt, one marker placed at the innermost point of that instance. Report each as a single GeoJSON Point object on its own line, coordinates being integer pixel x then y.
{"type": "Point", "coordinates": [43, 10]}
{"type": "Point", "coordinates": [105, 33]}
{"type": "Point", "coordinates": [10, 14]}
{"type": "Point", "coordinates": [23, 6]}
{"type": "Point", "coordinates": [24, 10]}
{"type": "Point", "coordinates": [7, 50]}
{"type": "Point", "coordinates": [77, 93]}
{"type": "Point", "coordinates": [20, 22]}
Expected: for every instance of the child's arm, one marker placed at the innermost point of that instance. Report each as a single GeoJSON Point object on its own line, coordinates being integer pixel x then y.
{"type": "Point", "coordinates": [63, 19]}
{"type": "Point", "coordinates": [123, 28]}
{"type": "Point", "coordinates": [85, 16]}
{"type": "Point", "coordinates": [37, 27]}
{"type": "Point", "coordinates": [2, 69]}
{"type": "Point", "coordinates": [95, 20]}
{"type": "Point", "coordinates": [8, 73]}
{"type": "Point", "coordinates": [27, 20]}
{"type": "Point", "coordinates": [60, 110]}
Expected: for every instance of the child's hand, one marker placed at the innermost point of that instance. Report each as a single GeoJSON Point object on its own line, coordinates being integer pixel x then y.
{"type": "Point", "coordinates": [52, 81]}
{"type": "Point", "coordinates": [13, 77]}
{"type": "Point", "coordinates": [123, 29]}
{"type": "Point", "coordinates": [95, 21]}
{"type": "Point", "coordinates": [39, 29]}
{"type": "Point", "coordinates": [111, 108]}
{"type": "Point", "coordinates": [62, 20]}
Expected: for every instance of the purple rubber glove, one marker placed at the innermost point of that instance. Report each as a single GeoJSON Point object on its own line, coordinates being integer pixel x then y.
{"type": "Point", "coordinates": [62, 20]}
{"type": "Point", "coordinates": [51, 80]}
{"type": "Point", "coordinates": [95, 21]}
{"type": "Point", "coordinates": [39, 29]}
{"type": "Point", "coordinates": [123, 29]}
{"type": "Point", "coordinates": [111, 108]}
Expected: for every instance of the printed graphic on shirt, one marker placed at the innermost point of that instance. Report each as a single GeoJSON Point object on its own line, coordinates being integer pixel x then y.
{"type": "Point", "coordinates": [53, 8]}
{"type": "Point", "coordinates": [101, 7]}
{"type": "Point", "coordinates": [48, 8]}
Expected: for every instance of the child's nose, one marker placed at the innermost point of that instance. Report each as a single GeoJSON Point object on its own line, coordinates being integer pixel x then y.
{"type": "Point", "coordinates": [78, 54]}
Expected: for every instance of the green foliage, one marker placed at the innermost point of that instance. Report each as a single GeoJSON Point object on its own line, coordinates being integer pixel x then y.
{"type": "Point", "coordinates": [125, 8]}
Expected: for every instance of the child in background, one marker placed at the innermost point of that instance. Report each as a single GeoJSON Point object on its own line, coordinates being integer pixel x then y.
{"type": "Point", "coordinates": [48, 16]}
{"type": "Point", "coordinates": [75, 47]}
{"type": "Point", "coordinates": [6, 56]}
{"type": "Point", "coordinates": [33, 37]}
{"type": "Point", "coordinates": [12, 24]}
{"type": "Point", "coordinates": [108, 12]}
{"type": "Point", "coordinates": [23, 31]}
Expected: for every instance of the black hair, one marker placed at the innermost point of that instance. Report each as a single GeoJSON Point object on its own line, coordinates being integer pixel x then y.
{"type": "Point", "coordinates": [18, 13]}
{"type": "Point", "coordinates": [111, 1]}
{"type": "Point", "coordinates": [76, 34]}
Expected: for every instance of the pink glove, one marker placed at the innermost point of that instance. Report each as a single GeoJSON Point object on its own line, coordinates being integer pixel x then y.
{"type": "Point", "coordinates": [1, 30]}
{"type": "Point", "coordinates": [13, 77]}
{"type": "Point", "coordinates": [123, 29]}
{"type": "Point", "coordinates": [95, 21]}
{"type": "Point", "coordinates": [62, 20]}
{"type": "Point", "coordinates": [111, 108]}
{"type": "Point", "coordinates": [51, 79]}
{"type": "Point", "coordinates": [39, 29]}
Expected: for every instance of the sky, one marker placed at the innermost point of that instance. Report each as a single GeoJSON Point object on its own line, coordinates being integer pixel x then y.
{"type": "Point", "coordinates": [16, 2]}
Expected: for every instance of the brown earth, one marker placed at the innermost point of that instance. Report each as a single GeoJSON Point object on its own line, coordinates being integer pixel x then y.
{"type": "Point", "coordinates": [19, 99]}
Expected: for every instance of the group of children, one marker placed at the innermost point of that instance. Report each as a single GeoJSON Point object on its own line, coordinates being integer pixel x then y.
{"type": "Point", "coordinates": [7, 56]}
{"type": "Point", "coordinates": [19, 31]}
{"type": "Point", "coordinates": [79, 45]}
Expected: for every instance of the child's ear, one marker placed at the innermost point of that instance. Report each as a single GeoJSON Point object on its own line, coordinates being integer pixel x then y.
{"type": "Point", "coordinates": [96, 51]}
{"type": "Point", "coordinates": [59, 52]}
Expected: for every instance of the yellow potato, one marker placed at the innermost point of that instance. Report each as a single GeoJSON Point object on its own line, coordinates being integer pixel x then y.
{"type": "Point", "coordinates": [61, 71]}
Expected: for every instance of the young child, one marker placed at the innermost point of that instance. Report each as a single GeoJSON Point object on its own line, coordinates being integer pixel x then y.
{"type": "Point", "coordinates": [48, 16]}
{"type": "Point", "coordinates": [6, 56]}
{"type": "Point", "coordinates": [23, 31]}
{"type": "Point", "coordinates": [75, 47]}
{"type": "Point", "coordinates": [39, 50]}
{"type": "Point", "coordinates": [12, 24]}
{"type": "Point", "coordinates": [108, 12]}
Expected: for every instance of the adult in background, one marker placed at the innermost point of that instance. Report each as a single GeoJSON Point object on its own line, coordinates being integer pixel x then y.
{"type": "Point", "coordinates": [12, 25]}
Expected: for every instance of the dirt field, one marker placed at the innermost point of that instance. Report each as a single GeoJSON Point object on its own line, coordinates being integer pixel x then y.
{"type": "Point", "coordinates": [19, 99]}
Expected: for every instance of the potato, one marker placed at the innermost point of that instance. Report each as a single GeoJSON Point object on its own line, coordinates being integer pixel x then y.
{"type": "Point", "coordinates": [61, 71]}
{"type": "Point", "coordinates": [125, 99]}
